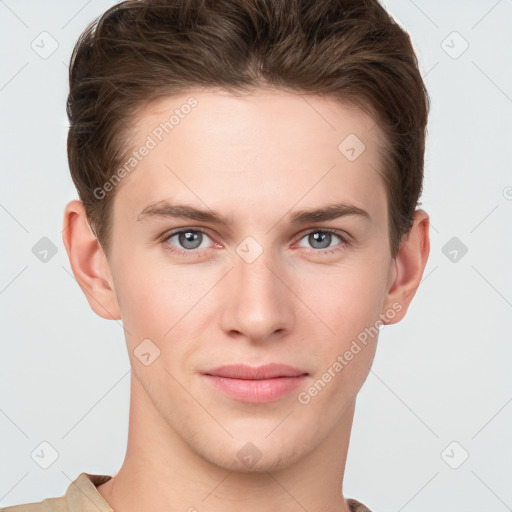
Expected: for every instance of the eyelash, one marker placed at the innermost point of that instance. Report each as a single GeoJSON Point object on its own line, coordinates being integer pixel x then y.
{"type": "Point", "coordinates": [198, 252]}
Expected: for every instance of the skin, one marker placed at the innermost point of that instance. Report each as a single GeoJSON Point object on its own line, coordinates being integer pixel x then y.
{"type": "Point", "coordinates": [256, 158]}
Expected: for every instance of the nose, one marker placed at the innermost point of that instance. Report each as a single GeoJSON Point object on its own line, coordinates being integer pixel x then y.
{"type": "Point", "coordinates": [258, 302]}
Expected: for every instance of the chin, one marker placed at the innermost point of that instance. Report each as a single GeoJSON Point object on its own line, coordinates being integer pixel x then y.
{"type": "Point", "coordinates": [254, 452]}
{"type": "Point", "coordinates": [267, 463]}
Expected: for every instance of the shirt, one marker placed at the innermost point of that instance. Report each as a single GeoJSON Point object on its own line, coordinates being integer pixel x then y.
{"type": "Point", "coordinates": [82, 496]}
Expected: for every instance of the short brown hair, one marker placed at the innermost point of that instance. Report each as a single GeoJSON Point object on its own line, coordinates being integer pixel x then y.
{"type": "Point", "coordinates": [140, 50]}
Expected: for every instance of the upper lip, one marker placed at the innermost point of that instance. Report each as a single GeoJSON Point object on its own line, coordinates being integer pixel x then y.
{"type": "Point", "coordinates": [267, 371]}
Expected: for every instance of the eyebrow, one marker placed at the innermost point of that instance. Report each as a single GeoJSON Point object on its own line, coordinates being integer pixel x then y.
{"type": "Point", "coordinates": [167, 209]}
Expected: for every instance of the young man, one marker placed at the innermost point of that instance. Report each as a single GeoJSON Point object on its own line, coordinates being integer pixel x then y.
{"type": "Point", "coordinates": [249, 174]}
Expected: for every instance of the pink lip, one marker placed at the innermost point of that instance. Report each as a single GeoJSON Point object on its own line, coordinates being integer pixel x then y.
{"type": "Point", "coordinates": [256, 384]}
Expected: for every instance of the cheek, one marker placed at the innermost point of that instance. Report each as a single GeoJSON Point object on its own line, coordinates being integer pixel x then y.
{"type": "Point", "coordinates": [347, 301]}
{"type": "Point", "coordinates": [144, 298]}
{"type": "Point", "coordinates": [160, 301]}
{"type": "Point", "coordinates": [350, 307]}
{"type": "Point", "coordinates": [143, 284]}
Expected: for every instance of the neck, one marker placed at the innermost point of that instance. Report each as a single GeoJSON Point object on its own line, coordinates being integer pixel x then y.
{"type": "Point", "coordinates": [162, 473]}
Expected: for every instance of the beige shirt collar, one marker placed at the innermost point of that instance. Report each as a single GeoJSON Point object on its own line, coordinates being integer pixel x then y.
{"type": "Point", "coordinates": [82, 495]}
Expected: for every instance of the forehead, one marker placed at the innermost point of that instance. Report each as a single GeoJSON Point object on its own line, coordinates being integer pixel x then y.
{"type": "Point", "coordinates": [228, 151]}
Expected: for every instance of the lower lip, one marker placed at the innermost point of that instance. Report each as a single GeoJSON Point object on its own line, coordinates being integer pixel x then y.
{"type": "Point", "coordinates": [256, 391]}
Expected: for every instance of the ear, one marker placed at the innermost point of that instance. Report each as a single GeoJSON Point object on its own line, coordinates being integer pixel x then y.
{"type": "Point", "coordinates": [88, 262]}
{"type": "Point", "coordinates": [408, 269]}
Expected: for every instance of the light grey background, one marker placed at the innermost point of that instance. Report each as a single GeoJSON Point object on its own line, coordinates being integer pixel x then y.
{"type": "Point", "coordinates": [440, 376]}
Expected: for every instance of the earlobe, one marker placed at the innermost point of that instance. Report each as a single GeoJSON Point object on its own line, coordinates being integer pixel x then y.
{"type": "Point", "coordinates": [410, 264]}
{"type": "Point", "coordinates": [88, 262]}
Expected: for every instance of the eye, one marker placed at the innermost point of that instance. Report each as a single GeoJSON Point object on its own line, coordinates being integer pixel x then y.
{"type": "Point", "coordinates": [189, 239]}
{"type": "Point", "coordinates": [321, 239]}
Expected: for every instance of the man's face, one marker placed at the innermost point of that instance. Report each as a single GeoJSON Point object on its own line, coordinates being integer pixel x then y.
{"type": "Point", "coordinates": [262, 289]}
